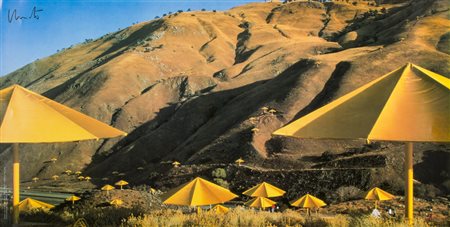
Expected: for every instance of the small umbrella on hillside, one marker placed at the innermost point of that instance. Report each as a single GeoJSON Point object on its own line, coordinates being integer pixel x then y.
{"type": "Point", "coordinates": [107, 188]}
{"type": "Point", "coordinates": [239, 161]}
{"type": "Point", "coordinates": [53, 160]}
{"type": "Point", "coordinates": [87, 178]}
{"type": "Point", "coordinates": [308, 201]}
{"type": "Point", "coordinates": [198, 192]}
{"type": "Point", "coordinates": [219, 209]}
{"type": "Point", "coordinates": [30, 204]}
{"type": "Point", "coordinates": [55, 177]}
{"type": "Point", "coordinates": [116, 202]}
{"type": "Point", "coordinates": [80, 178]}
{"type": "Point", "coordinates": [264, 190]}
{"type": "Point", "coordinates": [68, 172]}
{"type": "Point", "coordinates": [78, 173]}
{"type": "Point", "coordinates": [176, 164]}
{"type": "Point", "coordinates": [73, 199]}
{"type": "Point", "coordinates": [121, 183]}
{"type": "Point", "coordinates": [378, 195]}
{"type": "Point", "coordinates": [260, 202]}
{"type": "Point", "coordinates": [35, 179]}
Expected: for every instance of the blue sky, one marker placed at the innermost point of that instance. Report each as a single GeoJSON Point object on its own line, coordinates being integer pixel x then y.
{"type": "Point", "coordinates": [62, 23]}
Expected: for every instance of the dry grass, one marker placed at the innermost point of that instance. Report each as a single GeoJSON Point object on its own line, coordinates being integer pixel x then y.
{"type": "Point", "coordinates": [245, 217]}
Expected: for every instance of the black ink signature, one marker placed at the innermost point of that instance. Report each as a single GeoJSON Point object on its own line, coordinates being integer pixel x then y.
{"type": "Point", "coordinates": [14, 17]}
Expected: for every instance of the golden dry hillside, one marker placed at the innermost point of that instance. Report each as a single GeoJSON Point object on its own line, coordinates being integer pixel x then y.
{"type": "Point", "coordinates": [191, 86]}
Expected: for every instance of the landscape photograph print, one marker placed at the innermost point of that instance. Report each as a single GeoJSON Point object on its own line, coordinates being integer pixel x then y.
{"type": "Point", "coordinates": [225, 113]}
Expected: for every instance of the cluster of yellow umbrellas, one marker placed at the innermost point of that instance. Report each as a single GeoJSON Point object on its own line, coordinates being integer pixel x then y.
{"type": "Point", "coordinates": [409, 104]}
{"type": "Point", "coordinates": [261, 192]}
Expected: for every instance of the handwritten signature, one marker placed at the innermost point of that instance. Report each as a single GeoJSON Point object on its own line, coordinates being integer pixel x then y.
{"type": "Point", "coordinates": [12, 15]}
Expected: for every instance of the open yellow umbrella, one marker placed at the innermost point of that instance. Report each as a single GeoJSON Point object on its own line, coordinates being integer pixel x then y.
{"type": "Point", "coordinates": [410, 104]}
{"type": "Point", "coordinates": [260, 202]}
{"type": "Point", "coordinates": [239, 161]}
{"type": "Point", "coordinates": [264, 190]}
{"type": "Point", "coordinates": [308, 201]}
{"type": "Point", "coordinates": [35, 179]}
{"type": "Point", "coordinates": [68, 172]}
{"type": "Point", "coordinates": [55, 177]}
{"type": "Point", "coordinates": [30, 204]}
{"type": "Point", "coordinates": [198, 192]}
{"type": "Point", "coordinates": [121, 183]}
{"type": "Point", "coordinates": [78, 173]}
{"type": "Point", "coordinates": [176, 164]}
{"type": "Point", "coordinates": [80, 178]}
{"type": "Point", "coordinates": [107, 188]}
{"type": "Point", "coordinates": [73, 199]}
{"type": "Point", "coordinates": [88, 178]}
{"type": "Point", "coordinates": [116, 202]}
{"type": "Point", "coordinates": [27, 117]}
{"type": "Point", "coordinates": [378, 195]}
{"type": "Point", "coordinates": [219, 209]}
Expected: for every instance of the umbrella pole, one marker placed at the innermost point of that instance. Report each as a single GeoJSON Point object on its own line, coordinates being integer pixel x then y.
{"type": "Point", "coordinates": [16, 180]}
{"type": "Point", "coordinates": [409, 182]}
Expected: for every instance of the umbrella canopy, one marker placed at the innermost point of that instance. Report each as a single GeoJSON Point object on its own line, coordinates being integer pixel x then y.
{"type": "Point", "coordinates": [378, 194]}
{"type": "Point", "coordinates": [116, 202]}
{"type": "Point", "coordinates": [408, 104]}
{"type": "Point", "coordinates": [73, 198]}
{"type": "Point", "coordinates": [260, 202]}
{"type": "Point", "coordinates": [239, 161]}
{"type": "Point", "coordinates": [107, 187]}
{"type": "Point", "coordinates": [308, 201]}
{"type": "Point", "coordinates": [121, 183]}
{"type": "Point", "coordinates": [219, 209]}
{"type": "Point", "coordinates": [27, 117]}
{"type": "Point", "coordinates": [30, 204]}
{"type": "Point", "coordinates": [264, 190]}
{"type": "Point", "coordinates": [198, 192]}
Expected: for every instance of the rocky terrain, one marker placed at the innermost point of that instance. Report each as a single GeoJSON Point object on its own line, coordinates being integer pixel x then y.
{"type": "Point", "coordinates": [192, 86]}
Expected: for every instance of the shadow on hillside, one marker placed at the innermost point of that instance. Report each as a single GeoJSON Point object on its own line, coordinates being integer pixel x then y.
{"type": "Point", "coordinates": [177, 126]}
{"type": "Point", "coordinates": [434, 168]}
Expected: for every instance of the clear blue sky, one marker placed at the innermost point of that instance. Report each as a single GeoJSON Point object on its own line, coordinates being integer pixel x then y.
{"type": "Point", "coordinates": [62, 23]}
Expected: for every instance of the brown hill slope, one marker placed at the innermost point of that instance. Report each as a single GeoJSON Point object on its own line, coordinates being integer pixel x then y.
{"type": "Point", "coordinates": [190, 86]}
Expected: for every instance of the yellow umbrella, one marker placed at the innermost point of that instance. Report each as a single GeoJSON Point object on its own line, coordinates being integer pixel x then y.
{"type": "Point", "coordinates": [29, 204]}
{"type": "Point", "coordinates": [55, 177]}
{"type": "Point", "coordinates": [378, 195]}
{"type": "Point", "coordinates": [68, 172]}
{"type": "Point", "coordinates": [152, 190]}
{"type": "Point", "coordinates": [121, 183]}
{"type": "Point", "coordinates": [264, 190]}
{"type": "Point", "coordinates": [198, 192]}
{"type": "Point", "coordinates": [53, 160]}
{"type": "Point", "coordinates": [107, 188]}
{"type": "Point", "coordinates": [308, 201]}
{"type": "Point", "coordinates": [73, 199]}
{"type": "Point", "coordinates": [28, 117]}
{"type": "Point", "coordinates": [116, 202]}
{"type": "Point", "coordinates": [176, 164]}
{"type": "Point", "coordinates": [409, 104]}
{"type": "Point", "coordinates": [219, 209]}
{"type": "Point", "coordinates": [260, 202]}
{"type": "Point", "coordinates": [88, 178]}
{"type": "Point", "coordinates": [35, 179]}
{"type": "Point", "coordinates": [80, 178]}
{"type": "Point", "coordinates": [78, 173]}
{"type": "Point", "coordinates": [239, 161]}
